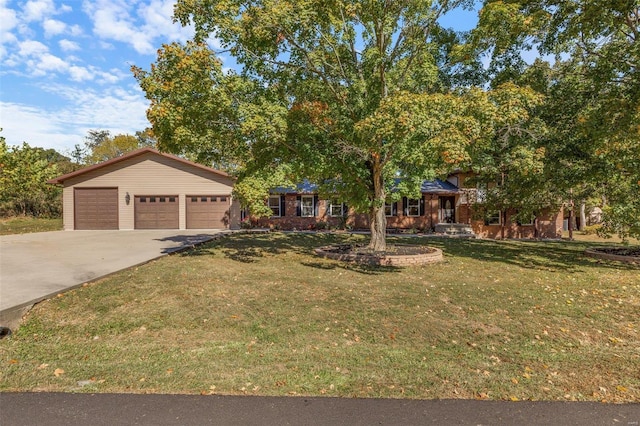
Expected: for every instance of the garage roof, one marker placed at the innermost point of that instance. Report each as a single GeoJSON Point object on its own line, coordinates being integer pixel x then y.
{"type": "Point", "coordinates": [138, 152]}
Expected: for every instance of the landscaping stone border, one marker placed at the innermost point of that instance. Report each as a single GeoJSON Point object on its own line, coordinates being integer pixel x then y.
{"type": "Point", "coordinates": [432, 255]}
{"type": "Point", "coordinates": [595, 253]}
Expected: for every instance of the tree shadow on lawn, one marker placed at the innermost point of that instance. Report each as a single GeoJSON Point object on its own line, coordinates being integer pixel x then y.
{"type": "Point", "coordinates": [354, 267]}
{"type": "Point", "coordinates": [559, 255]}
{"type": "Point", "coordinates": [248, 248]}
{"type": "Point", "coordinates": [553, 255]}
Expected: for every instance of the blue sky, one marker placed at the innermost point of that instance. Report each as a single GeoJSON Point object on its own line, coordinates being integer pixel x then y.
{"type": "Point", "coordinates": [65, 66]}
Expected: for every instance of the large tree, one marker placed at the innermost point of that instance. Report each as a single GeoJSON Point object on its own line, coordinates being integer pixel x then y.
{"type": "Point", "coordinates": [593, 91]}
{"type": "Point", "coordinates": [349, 94]}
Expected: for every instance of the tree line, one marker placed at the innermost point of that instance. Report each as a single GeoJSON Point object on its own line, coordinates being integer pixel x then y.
{"type": "Point", "coordinates": [25, 170]}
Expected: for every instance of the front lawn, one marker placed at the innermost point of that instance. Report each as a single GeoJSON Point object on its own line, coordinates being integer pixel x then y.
{"type": "Point", "coordinates": [260, 315]}
{"type": "Point", "coordinates": [27, 224]}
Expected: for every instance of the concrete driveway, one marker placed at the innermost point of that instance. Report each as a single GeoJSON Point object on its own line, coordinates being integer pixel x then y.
{"type": "Point", "coordinates": [34, 267]}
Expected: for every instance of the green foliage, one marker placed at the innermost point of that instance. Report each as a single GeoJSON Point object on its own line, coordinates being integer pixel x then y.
{"type": "Point", "coordinates": [320, 87]}
{"type": "Point", "coordinates": [593, 93]}
{"type": "Point", "coordinates": [253, 190]}
{"type": "Point", "coordinates": [24, 172]}
{"type": "Point", "coordinates": [100, 146]}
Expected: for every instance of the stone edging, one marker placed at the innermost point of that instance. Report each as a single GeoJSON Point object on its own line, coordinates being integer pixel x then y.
{"type": "Point", "coordinates": [593, 252]}
{"type": "Point", "coordinates": [432, 256]}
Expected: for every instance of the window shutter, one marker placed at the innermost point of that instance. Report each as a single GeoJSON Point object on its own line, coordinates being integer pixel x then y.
{"type": "Point", "coordinates": [405, 206]}
{"type": "Point", "coordinates": [345, 210]}
{"type": "Point", "coordinates": [394, 208]}
{"type": "Point", "coordinates": [316, 203]}
{"type": "Point", "coordinates": [283, 206]}
{"type": "Point", "coordinates": [298, 206]}
{"type": "Point", "coordinates": [422, 209]}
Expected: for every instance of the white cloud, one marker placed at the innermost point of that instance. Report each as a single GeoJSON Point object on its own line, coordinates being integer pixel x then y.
{"type": "Point", "coordinates": [48, 62]}
{"type": "Point", "coordinates": [80, 73]}
{"type": "Point", "coordinates": [9, 22]}
{"type": "Point", "coordinates": [25, 123]}
{"type": "Point", "coordinates": [158, 20]}
{"type": "Point", "coordinates": [68, 45]}
{"type": "Point", "coordinates": [145, 29]}
{"type": "Point", "coordinates": [53, 27]}
{"type": "Point", "coordinates": [116, 110]}
{"type": "Point", "coordinates": [36, 10]}
{"type": "Point", "coordinates": [32, 48]}
{"type": "Point", "coordinates": [112, 21]}
{"type": "Point", "coordinates": [75, 30]}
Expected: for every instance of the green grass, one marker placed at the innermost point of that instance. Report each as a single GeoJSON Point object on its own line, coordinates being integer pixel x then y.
{"type": "Point", "coordinates": [26, 224]}
{"type": "Point", "coordinates": [260, 315]}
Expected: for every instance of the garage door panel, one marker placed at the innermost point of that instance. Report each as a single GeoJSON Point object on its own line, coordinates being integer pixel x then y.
{"type": "Point", "coordinates": [207, 212]}
{"type": "Point", "coordinates": [157, 212]}
{"type": "Point", "coordinates": [96, 208]}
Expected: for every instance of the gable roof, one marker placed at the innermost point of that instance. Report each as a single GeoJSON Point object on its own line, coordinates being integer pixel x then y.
{"type": "Point", "coordinates": [304, 187]}
{"type": "Point", "coordinates": [438, 187]}
{"type": "Point", "coordinates": [428, 187]}
{"type": "Point", "coordinates": [132, 154]}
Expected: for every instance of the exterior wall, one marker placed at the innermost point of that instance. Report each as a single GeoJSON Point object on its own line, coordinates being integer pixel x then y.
{"type": "Point", "coordinates": [150, 174]}
{"type": "Point", "coordinates": [290, 220]}
{"type": "Point", "coordinates": [549, 225]}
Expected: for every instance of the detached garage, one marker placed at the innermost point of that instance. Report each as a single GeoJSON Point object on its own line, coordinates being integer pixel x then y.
{"type": "Point", "coordinates": [147, 189]}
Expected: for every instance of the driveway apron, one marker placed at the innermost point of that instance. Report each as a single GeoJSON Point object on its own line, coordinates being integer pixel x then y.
{"type": "Point", "coordinates": [36, 266]}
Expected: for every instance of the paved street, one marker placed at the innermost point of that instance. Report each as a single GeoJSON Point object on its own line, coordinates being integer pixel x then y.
{"type": "Point", "coordinates": [58, 409]}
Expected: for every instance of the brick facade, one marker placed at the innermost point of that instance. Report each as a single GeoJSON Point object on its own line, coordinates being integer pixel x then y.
{"type": "Point", "coordinates": [432, 211]}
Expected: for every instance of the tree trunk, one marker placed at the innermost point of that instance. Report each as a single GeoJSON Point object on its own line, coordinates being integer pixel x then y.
{"type": "Point", "coordinates": [377, 218]}
{"type": "Point", "coordinates": [583, 216]}
{"type": "Point", "coordinates": [571, 220]}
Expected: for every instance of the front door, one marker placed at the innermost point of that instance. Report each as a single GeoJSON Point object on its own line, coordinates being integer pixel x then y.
{"type": "Point", "coordinates": [447, 213]}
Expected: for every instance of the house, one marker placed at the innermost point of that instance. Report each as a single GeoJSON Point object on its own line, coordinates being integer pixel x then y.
{"type": "Point", "coordinates": [445, 206]}
{"type": "Point", "coordinates": [147, 189]}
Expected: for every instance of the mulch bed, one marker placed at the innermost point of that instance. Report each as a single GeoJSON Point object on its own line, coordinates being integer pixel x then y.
{"type": "Point", "coordinates": [620, 251]}
{"type": "Point", "coordinates": [392, 250]}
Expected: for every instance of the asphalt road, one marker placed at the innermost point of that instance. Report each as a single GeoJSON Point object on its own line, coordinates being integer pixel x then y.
{"type": "Point", "coordinates": [53, 409]}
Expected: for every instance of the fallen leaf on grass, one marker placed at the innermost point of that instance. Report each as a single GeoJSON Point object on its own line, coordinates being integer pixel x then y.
{"type": "Point", "coordinates": [58, 372]}
{"type": "Point", "coordinates": [42, 366]}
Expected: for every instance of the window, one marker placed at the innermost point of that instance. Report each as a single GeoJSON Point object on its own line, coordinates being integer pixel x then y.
{"type": "Point", "coordinates": [389, 209]}
{"type": "Point", "coordinates": [493, 218]}
{"type": "Point", "coordinates": [223, 199]}
{"type": "Point", "coordinates": [336, 209]}
{"type": "Point", "coordinates": [172, 199]}
{"type": "Point", "coordinates": [274, 205]}
{"type": "Point", "coordinates": [413, 207]}
{"type": "Point", "coordinates": [306, 206]}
